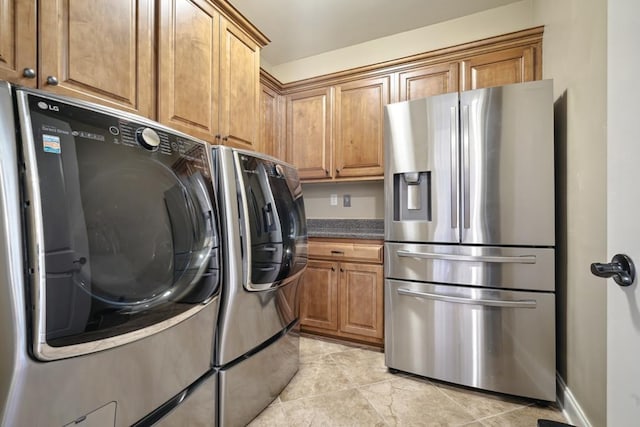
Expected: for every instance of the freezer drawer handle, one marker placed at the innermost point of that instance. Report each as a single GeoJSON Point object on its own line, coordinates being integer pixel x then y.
{"type": "Point", "coordinates": [522, 259]}
{"type": "Point", "coordinates": [473, 301]}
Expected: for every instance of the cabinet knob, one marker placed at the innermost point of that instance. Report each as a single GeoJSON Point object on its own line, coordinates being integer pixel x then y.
{"type": "Point", "coordinates": [29, 73]}
{"type": "Point", "coordinates": [225, 138]}
{"type": "Point", "coordinates": [218, 136]}
{"type": "Point", "coordinates": [52, 80]}
{"type": "Point", "coordinates": [333, 269]}
{"type": "Point", "coordinates": [341, 270]}
{"type": "Point", "coordinates": [337, 170]}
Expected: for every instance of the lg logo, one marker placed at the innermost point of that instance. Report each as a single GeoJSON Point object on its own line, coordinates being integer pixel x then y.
{"type": "Point", "coordinates": [43, 105]}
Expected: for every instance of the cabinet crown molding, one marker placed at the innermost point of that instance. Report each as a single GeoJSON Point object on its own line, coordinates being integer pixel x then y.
{"type": "Point", "coordinates": [238, 18]}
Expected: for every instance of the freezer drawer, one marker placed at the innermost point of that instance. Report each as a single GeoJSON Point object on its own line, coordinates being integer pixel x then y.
{"type": "Point", "coordinates": [502, 341]}
{"type": "Point", "coordinates": [493, 267]}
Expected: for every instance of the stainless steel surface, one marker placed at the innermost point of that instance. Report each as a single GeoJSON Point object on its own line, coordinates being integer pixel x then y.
{"type": "Point", "coordinates": [496, 181]}
{"type": "Point", "coordinates": [510, 198]}
{"type": "Point", "coordinates": [36, 234]}
{"type": "Point", "coordinates": [139, 376]}
{"type": "Point", "coordinates": [418, 138]}
{"type": "Point", "coordinates": [454, 137]}
{"type": "Point", "coordinates": [505, 349]}
{"type": "Point", "coordinates": [134, 377]}
{"type": "Point", "coordinates": [13, 333]}
{"type": "Point", "coordinates": [472, 301]}
{"type": "Point", "coordinates": [466, 177]}
{"type": "Point", "coordinates": [520, 259]}
{"type": "Point", "coordinates": [105, 416]}
{"type": "Point", "coordinates": [495, 267]}
{"type": "Point", "coordinates": [251, 385]}
{"type": "Point", "coordinates": [197, 409]}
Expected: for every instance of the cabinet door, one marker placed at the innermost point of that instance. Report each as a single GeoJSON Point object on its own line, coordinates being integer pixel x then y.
{"type": "Point", "coordinates": [239, 88]}
{"type": "Point", "coordinates": [428, 81]}
{"type": "Point", "coordinates": [503, 67]}
{"type": "Point", "coordinates": [188, 74]}
{"type": "Point", "coordinates": [361, 300]}
{"type": "Point", "coordinates": [18, 41]}
{"type": "Point", "coordinates": [319, 296]}
{"type": "Point", "coordinates": [359, 126]}
{"type": "Point", "coordinates": [271, 115]}
{"type": "Point", "coordinates": [309, 138]}
{"type": "Point", "coordinates": [99, 50]}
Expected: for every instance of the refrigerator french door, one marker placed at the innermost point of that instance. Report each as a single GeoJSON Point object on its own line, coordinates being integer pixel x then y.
{"type": "Point", "coordinates": [470, 237]}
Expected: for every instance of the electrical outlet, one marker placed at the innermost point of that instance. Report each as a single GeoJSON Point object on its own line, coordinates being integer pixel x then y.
{"type": "Point", "coordinates": [346, 201]}
{"type": "Point", "coordinates": [333, 200]}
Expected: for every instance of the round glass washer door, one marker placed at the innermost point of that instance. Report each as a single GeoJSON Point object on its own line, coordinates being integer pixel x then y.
{"type": "Point", "coordinates": [130, 236]}
{"type": "Point", "coordinates": [147, 237]}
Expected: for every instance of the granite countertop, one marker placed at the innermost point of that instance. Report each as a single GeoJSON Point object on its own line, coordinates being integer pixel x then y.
{"type": "Point", "coordinates": [346, 228]}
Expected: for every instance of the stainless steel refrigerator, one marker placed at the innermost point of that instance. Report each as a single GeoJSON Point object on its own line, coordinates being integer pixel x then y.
{"type": "Point", "coordinates": [470, 237]}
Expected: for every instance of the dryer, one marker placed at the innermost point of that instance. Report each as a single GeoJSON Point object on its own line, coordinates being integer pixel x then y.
{"type": "Point", "coordinates": [109, 263]}
{"type": "Point", "coordinates": [265, 254]}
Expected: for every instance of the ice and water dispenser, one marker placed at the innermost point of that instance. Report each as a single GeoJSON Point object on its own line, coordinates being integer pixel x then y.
{"type": "Point", "coordinates": [412, 196]}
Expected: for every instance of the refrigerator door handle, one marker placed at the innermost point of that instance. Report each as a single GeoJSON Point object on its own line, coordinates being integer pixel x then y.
{"type": "Point", "coordinates": [453, 126]}
{"type": "Point", "coordinates": [466, 183]}
{"type": "Point", "coordinates": [521, 259]}
{"type": "Point", "coordinates": [473, 301]}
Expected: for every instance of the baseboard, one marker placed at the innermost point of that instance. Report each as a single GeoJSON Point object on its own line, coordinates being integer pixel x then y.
{"type": "Point", "coordinates": [569, 405]}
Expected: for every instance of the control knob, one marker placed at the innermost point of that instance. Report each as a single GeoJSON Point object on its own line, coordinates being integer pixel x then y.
{"type": "Point", "coordinates": [148, 138]}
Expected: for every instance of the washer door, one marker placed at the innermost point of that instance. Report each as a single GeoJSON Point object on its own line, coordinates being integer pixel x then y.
{"type": "Point", "coordinates": [129, 234]}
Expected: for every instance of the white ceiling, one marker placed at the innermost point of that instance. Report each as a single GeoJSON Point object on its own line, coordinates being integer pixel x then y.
{"type": "Point", "coordinates": [301, 28]}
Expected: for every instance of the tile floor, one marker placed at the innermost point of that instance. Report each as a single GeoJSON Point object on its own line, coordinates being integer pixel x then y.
{"type": "Point", "coordinates": [339, 385]}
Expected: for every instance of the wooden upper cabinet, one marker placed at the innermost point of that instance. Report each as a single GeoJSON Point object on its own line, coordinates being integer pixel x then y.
{"type": "Point", "coordinates": [240, 88]}
{"type": "Point", "coordinates": [309, 137]}
{"type": "Point", "coordinates": [428, 81]}
{"type": "Point", "coordinates": [208, 75]}
{"type": "Point", "coordinates": [99, 50]}
{"type": "Point", "coordinates": [502, 67]}
{"type": "Point", "coordinates": [271, 122]}
{"type": "Point", "coordinates": [18, 42]}
{"type": "Point", "coordinates": [359, 135]}
{"type": "Point", "coordinates": [188, 75]}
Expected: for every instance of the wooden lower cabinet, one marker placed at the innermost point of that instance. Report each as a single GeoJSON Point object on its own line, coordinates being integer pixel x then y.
{"type": "Point", "coordinates": [319, 299]}
{"type": "Point", "coordinates": [361, 308]}
{"type": "Point", "coordinates": [343, 300]}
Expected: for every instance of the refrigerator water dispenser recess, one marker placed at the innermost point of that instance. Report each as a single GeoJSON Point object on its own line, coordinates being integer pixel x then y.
{"type": "Point", "coordinates": [412, 196]}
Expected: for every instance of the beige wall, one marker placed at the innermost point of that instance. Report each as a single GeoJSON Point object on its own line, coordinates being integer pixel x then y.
{"type": "Point", "coordinates": [493, 22]}
{"type": "Point", "coordinates": [574, 55]}
{"type": "Point", "coordinates": [367, 200]}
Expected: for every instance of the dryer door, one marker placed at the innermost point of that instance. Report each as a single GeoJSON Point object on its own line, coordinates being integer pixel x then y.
{"type": "Point", "coordinates": [123, 227]}
{"type": "Point", "coordinates": [275, 217]}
